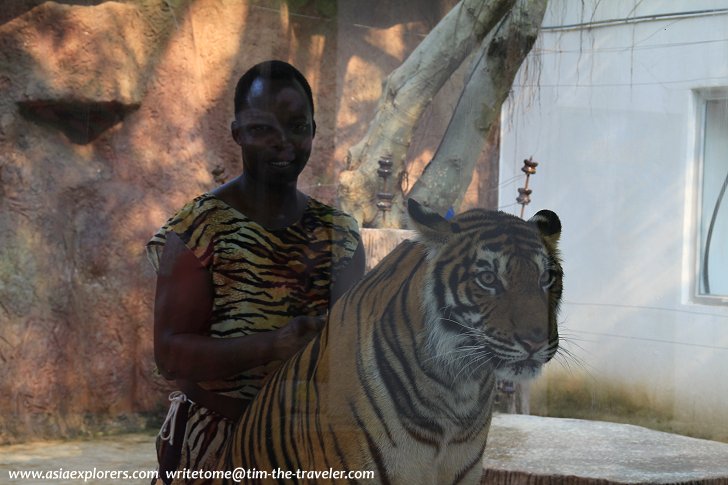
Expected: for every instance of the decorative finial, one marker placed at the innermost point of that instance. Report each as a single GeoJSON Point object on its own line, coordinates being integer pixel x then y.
{"type": "Point", "coordinates": [524, 193]}
{"type": "Point", "coordinates": [384, 203]}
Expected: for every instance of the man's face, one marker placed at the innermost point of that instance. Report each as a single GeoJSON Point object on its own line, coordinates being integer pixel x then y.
{"type": "Point", "coordinates": [275, 131]}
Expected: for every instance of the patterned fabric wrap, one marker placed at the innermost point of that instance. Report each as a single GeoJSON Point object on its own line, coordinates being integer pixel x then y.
{"type": "Point", "coordinates": [262, 278]}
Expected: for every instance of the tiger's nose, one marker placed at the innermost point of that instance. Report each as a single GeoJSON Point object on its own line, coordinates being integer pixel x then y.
{"type": "Point", "coordinates": [532, 342]}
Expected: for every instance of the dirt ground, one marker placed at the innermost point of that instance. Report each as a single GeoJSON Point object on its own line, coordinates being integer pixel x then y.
{"type": "Point", "coordinates": [58, 459]}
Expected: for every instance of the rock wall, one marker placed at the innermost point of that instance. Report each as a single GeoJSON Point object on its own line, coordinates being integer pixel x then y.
{"type": "Point", "coordinates": [112, 115]}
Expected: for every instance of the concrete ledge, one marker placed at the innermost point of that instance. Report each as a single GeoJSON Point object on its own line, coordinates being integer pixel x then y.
{"type": "Point", "coordinates": [548, 451]}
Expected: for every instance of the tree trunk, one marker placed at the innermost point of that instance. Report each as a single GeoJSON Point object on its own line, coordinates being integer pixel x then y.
{"type": "Point", "coordinates": [444, 181]}
{"type": "Point", "coordinates": [406, 93]}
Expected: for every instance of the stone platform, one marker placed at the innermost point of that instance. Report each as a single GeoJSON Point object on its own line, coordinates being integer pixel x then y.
{"type": "Point", "coordinates": [522, 450]}
{"type": "Point", "coordinates": [531, 450]}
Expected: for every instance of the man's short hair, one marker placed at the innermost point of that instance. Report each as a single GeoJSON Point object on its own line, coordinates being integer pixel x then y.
{"type": "Point", "coordinates": [275, 70]}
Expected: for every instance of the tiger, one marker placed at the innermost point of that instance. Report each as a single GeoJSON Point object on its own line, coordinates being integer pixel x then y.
{"type": "Point", "coordinates": [401, 380]}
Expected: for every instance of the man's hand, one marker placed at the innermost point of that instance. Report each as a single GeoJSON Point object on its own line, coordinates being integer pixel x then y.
{"type": "Point", "coordinates": [295, 335]}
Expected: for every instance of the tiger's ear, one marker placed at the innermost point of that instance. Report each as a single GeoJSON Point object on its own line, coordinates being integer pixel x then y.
{"type": "Point", "coordinates": [549, 226]}
{"type": "Point", "coordinates": [434, 229]}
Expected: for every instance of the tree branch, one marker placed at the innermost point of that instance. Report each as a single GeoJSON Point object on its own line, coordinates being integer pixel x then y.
{"type": "Point", "coordinates": [406, 93]}
{"type": "Point", "coordinates": [444, 181]}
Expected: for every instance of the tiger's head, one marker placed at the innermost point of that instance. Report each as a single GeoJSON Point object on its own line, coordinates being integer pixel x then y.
{"type": "Point", "coordinates": [492, 291]}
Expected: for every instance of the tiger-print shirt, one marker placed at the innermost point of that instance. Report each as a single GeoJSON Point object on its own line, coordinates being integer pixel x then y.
{"type": "Point", "coordinates": [262, 278]}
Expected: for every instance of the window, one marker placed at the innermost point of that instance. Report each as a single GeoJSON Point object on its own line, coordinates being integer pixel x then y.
{"type": "Point", "coordinates": [712, 199]}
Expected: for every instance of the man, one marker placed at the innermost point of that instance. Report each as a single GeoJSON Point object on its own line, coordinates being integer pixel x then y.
{"type": "Point", "coordinates": [247, 272]}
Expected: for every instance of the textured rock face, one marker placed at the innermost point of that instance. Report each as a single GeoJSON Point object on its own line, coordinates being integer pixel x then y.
{"type": "Point", "coordinates": [112, 115]}
{"type": "Point", "coordinates": [82, 68]}
{"type": "Point", "coordinates": [75, 319]}
{"type": "Point", "coordinates": [80, 53]}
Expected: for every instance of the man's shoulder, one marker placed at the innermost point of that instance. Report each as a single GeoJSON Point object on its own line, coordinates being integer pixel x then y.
{"type": "Point", "coordinates": [332, 215]}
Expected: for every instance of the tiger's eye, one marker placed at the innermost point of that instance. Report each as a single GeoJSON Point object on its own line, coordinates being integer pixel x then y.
{"type": "Point", "coordinates": [487, 279]}
{"type": "Point", "coordinates": [547, 279]}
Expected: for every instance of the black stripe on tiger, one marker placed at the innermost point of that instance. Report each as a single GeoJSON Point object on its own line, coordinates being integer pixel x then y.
{"type": "Point", "coordinates": [375, 451]}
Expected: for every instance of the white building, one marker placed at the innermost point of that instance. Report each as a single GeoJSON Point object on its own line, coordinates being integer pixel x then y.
{"type": "Point", "coordinates": [625, 106]}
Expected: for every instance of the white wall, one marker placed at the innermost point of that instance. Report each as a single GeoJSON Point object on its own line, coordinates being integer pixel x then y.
{"type": "Point", "coordinates": [611, 116]}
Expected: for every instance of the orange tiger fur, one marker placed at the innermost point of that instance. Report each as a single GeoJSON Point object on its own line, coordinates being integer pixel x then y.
{"type": "Point", "coordinates": [401, 380]}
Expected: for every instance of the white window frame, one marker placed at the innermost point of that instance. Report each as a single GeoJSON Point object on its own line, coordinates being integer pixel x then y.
{"type": "Point", "coordinates": [696, 160]}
